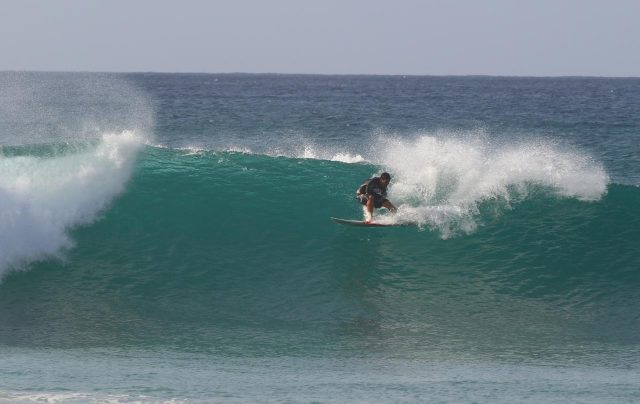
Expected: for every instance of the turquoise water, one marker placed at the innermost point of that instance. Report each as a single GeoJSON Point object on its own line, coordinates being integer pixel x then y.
{"type": "Point", "coordinates": [168, 237]}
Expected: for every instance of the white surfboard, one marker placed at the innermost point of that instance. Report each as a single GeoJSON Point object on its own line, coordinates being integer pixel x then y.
{"type": "Point", "coordinates": [362, 223]}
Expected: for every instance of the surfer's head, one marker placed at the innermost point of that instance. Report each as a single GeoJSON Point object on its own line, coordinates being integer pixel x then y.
{"type": "Point", "coordinates": [385, 177]}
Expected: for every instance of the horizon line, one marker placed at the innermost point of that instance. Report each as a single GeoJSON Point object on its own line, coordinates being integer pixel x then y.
{"type": "Point", "coordinates": [316, 74]}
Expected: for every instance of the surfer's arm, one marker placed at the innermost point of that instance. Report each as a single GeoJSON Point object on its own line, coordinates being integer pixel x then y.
{"type": "Point", "coordinates": [389, 206]}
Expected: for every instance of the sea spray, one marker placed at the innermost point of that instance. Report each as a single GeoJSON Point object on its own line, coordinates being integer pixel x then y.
{"type": "Point", "coordinates": [37, 108]}
{"type": "Point", "coordinates": [441, 181]}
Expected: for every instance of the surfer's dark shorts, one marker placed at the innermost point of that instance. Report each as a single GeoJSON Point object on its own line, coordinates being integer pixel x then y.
{"type": "Point", "coordinates": [377, 200]}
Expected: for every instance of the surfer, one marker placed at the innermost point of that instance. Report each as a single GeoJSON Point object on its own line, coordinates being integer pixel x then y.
{"type": "Point", "coordinates": [372, 194]}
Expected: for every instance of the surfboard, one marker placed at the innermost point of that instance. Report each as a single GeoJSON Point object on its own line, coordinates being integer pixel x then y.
{"type": "Point", "coordinates": [361, 223]}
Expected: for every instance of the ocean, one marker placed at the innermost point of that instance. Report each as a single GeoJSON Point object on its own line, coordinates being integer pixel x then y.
{"type": "Point", "coordinates": [167, 237]}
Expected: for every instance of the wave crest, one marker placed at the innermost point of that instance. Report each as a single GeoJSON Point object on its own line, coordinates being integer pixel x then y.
{"type": "Point", "coordinates": [42, 197]}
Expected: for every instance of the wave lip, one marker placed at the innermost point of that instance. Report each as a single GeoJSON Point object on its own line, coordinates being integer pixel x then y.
{"type": "Point", "coordinates": [42, 197]}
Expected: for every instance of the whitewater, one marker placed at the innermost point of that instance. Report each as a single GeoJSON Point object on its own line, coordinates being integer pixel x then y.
{"type": "Point", "coordinates": [39, 208]}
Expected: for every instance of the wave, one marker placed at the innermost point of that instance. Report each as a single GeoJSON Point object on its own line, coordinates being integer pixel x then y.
{"type": "Point", "coordinates": [42, 197]}
{"type": "Point", "coordinates": [203, 245]}
{"type": "Point", "coordinates": [445, 185]}
{"type": "Point", "coordinates": [439, 181]}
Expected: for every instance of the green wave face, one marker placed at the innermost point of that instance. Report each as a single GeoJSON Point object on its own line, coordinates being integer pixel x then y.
{"type": "Point", "coordinates": [235, 252]}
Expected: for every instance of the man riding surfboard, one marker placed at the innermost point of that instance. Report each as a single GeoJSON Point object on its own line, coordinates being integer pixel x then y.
{"type": "Point", "coordinates": [372, 194]}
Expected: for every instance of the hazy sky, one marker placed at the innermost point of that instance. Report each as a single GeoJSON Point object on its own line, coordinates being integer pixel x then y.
{"type": "Point", "coordinates": [496, 37]}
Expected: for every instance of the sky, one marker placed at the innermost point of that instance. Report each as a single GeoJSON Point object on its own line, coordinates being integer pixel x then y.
{"type": "Point", "coordinates": [412, 37]}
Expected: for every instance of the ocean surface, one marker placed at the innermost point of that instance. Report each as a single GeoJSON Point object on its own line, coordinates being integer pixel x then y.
{"type": "Point", "coordinates": [168, 237]}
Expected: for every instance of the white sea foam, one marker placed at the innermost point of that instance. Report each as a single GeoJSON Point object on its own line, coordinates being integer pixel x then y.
{"type": "Point", "coordinates": [311, 152]}
{"type": "Point", "coordinates": [42, 197]}
{"type": "Point", "coordinates": [72, 397]}
{"type": "Point", "coordinates": [440, 181]}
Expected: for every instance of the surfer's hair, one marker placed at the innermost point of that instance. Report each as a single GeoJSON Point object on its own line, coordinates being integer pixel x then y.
{"type": "Point", "coordinates": [385, 176]}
